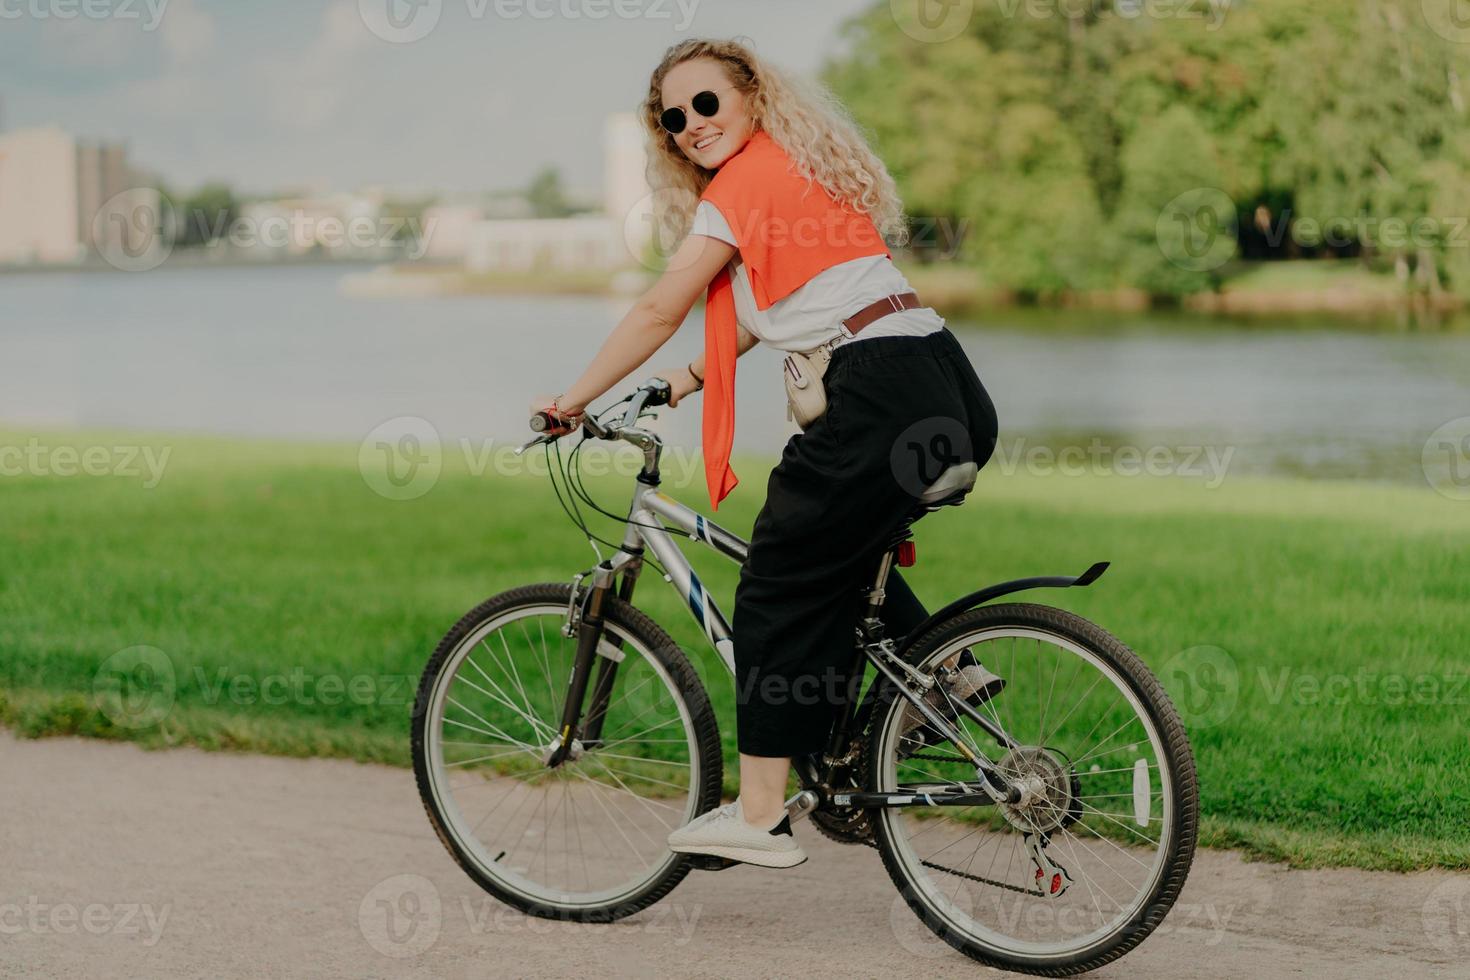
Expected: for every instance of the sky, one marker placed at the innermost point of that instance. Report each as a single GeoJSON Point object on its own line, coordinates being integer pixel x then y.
{"type": "Point", "coordinates": [415, 95]}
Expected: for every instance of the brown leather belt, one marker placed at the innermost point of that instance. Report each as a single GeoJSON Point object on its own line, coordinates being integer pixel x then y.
{"type": "Point", "coordinates": [881, 308]}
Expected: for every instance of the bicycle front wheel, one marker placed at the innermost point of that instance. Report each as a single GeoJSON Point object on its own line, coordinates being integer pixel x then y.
{"type": "Point", "coordinates": [584, 840]}
{"type": "Point", "coordinates": [1091, 859]}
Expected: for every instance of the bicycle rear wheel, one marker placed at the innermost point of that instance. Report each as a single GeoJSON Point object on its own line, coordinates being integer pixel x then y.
{"type": "Point", "coordinates": [584, 840]}
{"type": "Point", "coordinates": [1096, 853]}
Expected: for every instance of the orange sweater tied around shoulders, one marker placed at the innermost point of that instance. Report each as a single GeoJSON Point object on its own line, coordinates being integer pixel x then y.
{"type": "Point", "coordinates": [789, 229]}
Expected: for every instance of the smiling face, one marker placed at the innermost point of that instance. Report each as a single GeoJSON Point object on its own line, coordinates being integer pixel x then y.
{"type": "Point", "coordinates": [707, 141]}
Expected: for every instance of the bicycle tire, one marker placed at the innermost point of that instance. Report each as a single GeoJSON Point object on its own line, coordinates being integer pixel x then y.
{"type": "Point", "coordinates": [1183, 781]}
{"type": "Point", "coordinates": [690, 689]}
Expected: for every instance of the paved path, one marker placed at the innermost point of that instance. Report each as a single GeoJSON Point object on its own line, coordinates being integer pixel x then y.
{"type": "Point", "coordinates": [115, 862]}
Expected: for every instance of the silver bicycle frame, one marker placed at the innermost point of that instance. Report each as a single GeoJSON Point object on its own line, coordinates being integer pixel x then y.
{"type": "Point", "coordinates": [651, 507]}
{"type": "Point", "coordinates": [648, 515]}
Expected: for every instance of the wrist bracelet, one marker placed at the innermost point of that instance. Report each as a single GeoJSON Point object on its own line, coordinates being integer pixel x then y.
{"type": "Point", "coordinates": [568, 417]}
{"type": "Point", "coordinates": [697, 378]}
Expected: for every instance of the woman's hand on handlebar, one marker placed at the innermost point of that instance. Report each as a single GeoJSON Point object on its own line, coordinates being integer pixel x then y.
{"type": "Point", "coordinates": [569, 416]}
{"type": "Point", "coordinates": [681, 383]}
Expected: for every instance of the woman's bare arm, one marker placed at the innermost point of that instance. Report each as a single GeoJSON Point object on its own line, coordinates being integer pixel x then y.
{"type": "Point", "coordinates": [744, 341]}
{"type": "Point", "coordinates": [654, 318]}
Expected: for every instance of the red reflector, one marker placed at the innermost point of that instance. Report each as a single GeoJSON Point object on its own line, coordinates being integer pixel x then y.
{"type": "Point", "coordinates": [907, 554]}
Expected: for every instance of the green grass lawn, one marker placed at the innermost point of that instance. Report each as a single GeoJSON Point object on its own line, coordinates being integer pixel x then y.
{"type": "Point", "coordinates": [297, 608]}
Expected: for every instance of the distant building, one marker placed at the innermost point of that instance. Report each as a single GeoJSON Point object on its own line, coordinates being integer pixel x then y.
{"type": "Point", "coordinates": [625, 192]}
{"type": "Point", "coordinates": [61, 199]}
{"type": "Point", "coordinates": [593, 242]}
{"type": "Point", "coordinates": [335, 224]}
{"type": "Point", "coordinates": [613, 240]}
{"type": "Point", "coordinates": [447, 230]}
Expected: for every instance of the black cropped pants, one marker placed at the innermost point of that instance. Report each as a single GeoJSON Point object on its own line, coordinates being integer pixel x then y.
{"type": "Point", "coordinates": [899, 410]}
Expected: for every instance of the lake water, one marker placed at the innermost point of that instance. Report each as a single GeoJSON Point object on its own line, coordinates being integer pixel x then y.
{"type": "Point", "coordinates": [285, 351]}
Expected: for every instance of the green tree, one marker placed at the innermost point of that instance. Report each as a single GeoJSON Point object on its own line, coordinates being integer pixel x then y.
{"type": "Point", "coordinates": [1175, 226]}
{"type": "Point", "coordinates": [546, 196]}
{"type": "Point", "coordinates": [206, 215]}
{"type": "Point", "coordinates": [1035, 224]}
{"type": "Point", "coordinates": [1305, 112]}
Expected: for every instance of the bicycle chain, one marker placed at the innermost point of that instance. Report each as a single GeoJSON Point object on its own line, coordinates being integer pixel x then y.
{"type": "Point", "coordinates": [933, 758]}
{"type": "Point", "coordinates": [987, 881]}
{"type": "Point", "coordinates": [939, 867]}
{"type": "Point", "coordinates": [963, 874]}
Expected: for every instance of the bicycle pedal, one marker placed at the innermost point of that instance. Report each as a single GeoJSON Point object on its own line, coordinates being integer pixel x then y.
{"type": "Point", "coordinates": [710, 862]}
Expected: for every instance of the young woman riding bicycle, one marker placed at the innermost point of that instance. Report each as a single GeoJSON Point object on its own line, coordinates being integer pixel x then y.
{"type": "Point", "coordinates": [786, 210]}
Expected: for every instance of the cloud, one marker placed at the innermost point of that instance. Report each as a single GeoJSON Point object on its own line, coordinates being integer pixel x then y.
{"type": "Point", "coordinates": [186, 87]}
{"type": "Point", "coordinates": [308, 86]}
{"type": "Point", "coordinates": [93, 45]}
{"type": "Point", "coordinates": [188, 32]}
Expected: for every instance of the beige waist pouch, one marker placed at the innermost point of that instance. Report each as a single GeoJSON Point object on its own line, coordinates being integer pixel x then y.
{"type": "Point", "coordinates": [806, 394]}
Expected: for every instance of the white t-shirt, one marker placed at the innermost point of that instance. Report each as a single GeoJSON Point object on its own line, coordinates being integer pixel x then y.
{"type": "Point", "coordinates": [814, 312]}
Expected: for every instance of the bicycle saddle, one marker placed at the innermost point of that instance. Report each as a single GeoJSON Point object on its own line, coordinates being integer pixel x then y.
{"type": "Point", "coordinates": [951, 486]}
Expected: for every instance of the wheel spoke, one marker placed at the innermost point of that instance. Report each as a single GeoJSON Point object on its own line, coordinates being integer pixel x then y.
{"type": "Point", "coordinates": [591, 831]}
{"type": "Point", "coordinates": [1071, 721]}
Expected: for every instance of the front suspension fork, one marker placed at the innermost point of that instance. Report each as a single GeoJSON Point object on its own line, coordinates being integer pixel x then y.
{"type": "Point", "coordinates": [607, 668]}
{"type": "Point", "coordinates": [588, 620]}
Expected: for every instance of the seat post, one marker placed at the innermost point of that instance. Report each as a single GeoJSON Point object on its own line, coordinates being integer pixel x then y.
{"type": "Point", "coordinates": [876, 592]}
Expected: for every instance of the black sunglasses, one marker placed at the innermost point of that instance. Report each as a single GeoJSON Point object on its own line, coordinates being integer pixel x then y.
{"type": "Point", "coordinates": [673, 120]}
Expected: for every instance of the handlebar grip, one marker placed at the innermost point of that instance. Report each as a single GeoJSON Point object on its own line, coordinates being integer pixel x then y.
{"type": "Point", "coordinates": [554, 425]}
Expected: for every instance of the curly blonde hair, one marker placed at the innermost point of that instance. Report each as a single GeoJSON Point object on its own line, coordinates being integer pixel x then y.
{"type": "Point", "coordinates": [805, 119]}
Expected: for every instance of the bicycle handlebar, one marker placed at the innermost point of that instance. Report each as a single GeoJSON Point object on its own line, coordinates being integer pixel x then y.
{"type": "Point", "coordinates": [654, 391]}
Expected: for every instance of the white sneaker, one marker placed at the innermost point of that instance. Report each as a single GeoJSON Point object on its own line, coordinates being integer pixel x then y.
{"type": "Point", "coordinates": [970, 681]}
{"type": "Point", "coordinates": [724, 832]}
